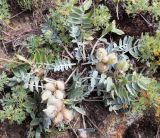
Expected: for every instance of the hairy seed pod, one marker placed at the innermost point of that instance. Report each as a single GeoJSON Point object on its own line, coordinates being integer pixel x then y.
{"type": "Point", "coordinates": [51, 100]}
{"type": "Point", "coordinates": [45, 95]}
{"type": "Point", "coordinates": [68, 115]}
{"type": "Point", "coordinates": [59, 94]}
{"type": "Point", "coordinates": [101, 67]}
{"type": "Point", "coordinates": [105, 60]}
{"type": "Point", "coordinates": [83, 134]}
{"type": "Point", "coordinates": [122, 65]}
{"type": "Point", "coordinates": [50, 86]}
{"type": "Point", "coordinates": [50, 111]}
{"type": "Point", "coordinates": [60, 85]}
{"type": "Point", "coordinates": [101, 53]}
{"type": "Point", "coordinates": [59, 118]}
{"type": "Point", "coordinates": [56, 102]}
{"type": "Point", "coordinates": [112, 58]}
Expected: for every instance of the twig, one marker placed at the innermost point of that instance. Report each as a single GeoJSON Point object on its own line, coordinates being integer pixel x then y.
{"type": "Point", "coordinates": [84, 53]}
{"type": "Point", "coordinates": [157, 135]}
{"type": "Point", "coordinates": [95, 125]}
{"type": "Point", "coordinates": [117, 11]}
{"type": "Point", "coordinates": [73, 131]}
{"type": "Point", "coordinates": [84, 123]}
{"type": "Point", "coordinates": [17, 14]}
{"type": "Point", "coordinates": [83, 71]}
{"type": "Point", "coordinates": [149, 24]}
{"type": "Point", "coordinates": [11, 27]}
{"type": "Point", "coordinates": [65, 48]}
{"type": "Point", "coordinates": [6, 33]}
{"type": "Point", "coordinates": [4, 47]}
{"type": "Point", "coordinates": [76, 122]}
{"type": "Point", "coordinates": [71, 75]}
{"type": "Point", "coordinates": [7, 42]}
{"type": "Point", "coordinates": [87, 63]}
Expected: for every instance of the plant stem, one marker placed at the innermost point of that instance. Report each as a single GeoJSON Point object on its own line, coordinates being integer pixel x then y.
{"type": "Point", "coordinates": [117, 11]}
{"type": "Point", "coordinates": [84, 53]}
{"type": "Point", "coordinates": [87, 63]}
{"type": "Point", "coordinates": [97, 43]}
{"type": "Point", "coordinates": [7, 60]}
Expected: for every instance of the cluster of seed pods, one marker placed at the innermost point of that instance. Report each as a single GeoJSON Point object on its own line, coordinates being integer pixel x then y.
{"type": "Point", "coordinates": [53, 95]}
{"type": "Point", "coordinates": [105, 59]}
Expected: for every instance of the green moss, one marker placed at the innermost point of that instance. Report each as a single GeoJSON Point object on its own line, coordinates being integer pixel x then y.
{"type": "Point", "coordinates": [25, 4]}
{"type": "Point", "coordinates": [101, 17]}
{"type": "Point", "coordinates": [4, 11]}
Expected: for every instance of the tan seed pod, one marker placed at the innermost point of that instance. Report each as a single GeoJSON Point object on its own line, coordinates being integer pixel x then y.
{"type": "Point", "coordinates": [101, 53]}
{"type": "Point", "coordinates": [101, 67]}
{"type": "Point", "coordinates": [112, 58]}
{"type": "Point", "coordinates": [122, 65]}
{"type": "Point", "coordinates": [68, 115]}
{"type": "Point", "coordinates": [45, 95]}
{"type": "Point", "coordinates": [60, 85]}
{"type": "Point", "coordinates": [59, 118]}
{"type": "Point", "coordinates": [105, 60]}
{"type": "Point", "coordinates": [59, 94]}
{"type": "Point", "coordinates": [56, 102]}
{"type": "Point", "coordinates": [83, 134]}
{"type": "Point", "coordinates": [50, 86]}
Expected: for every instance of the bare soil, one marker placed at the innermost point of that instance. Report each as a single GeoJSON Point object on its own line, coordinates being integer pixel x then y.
{"type": "Point", "coordinates": [8, 130]}
{"type": "Point", "coordinates": [145, 127]}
